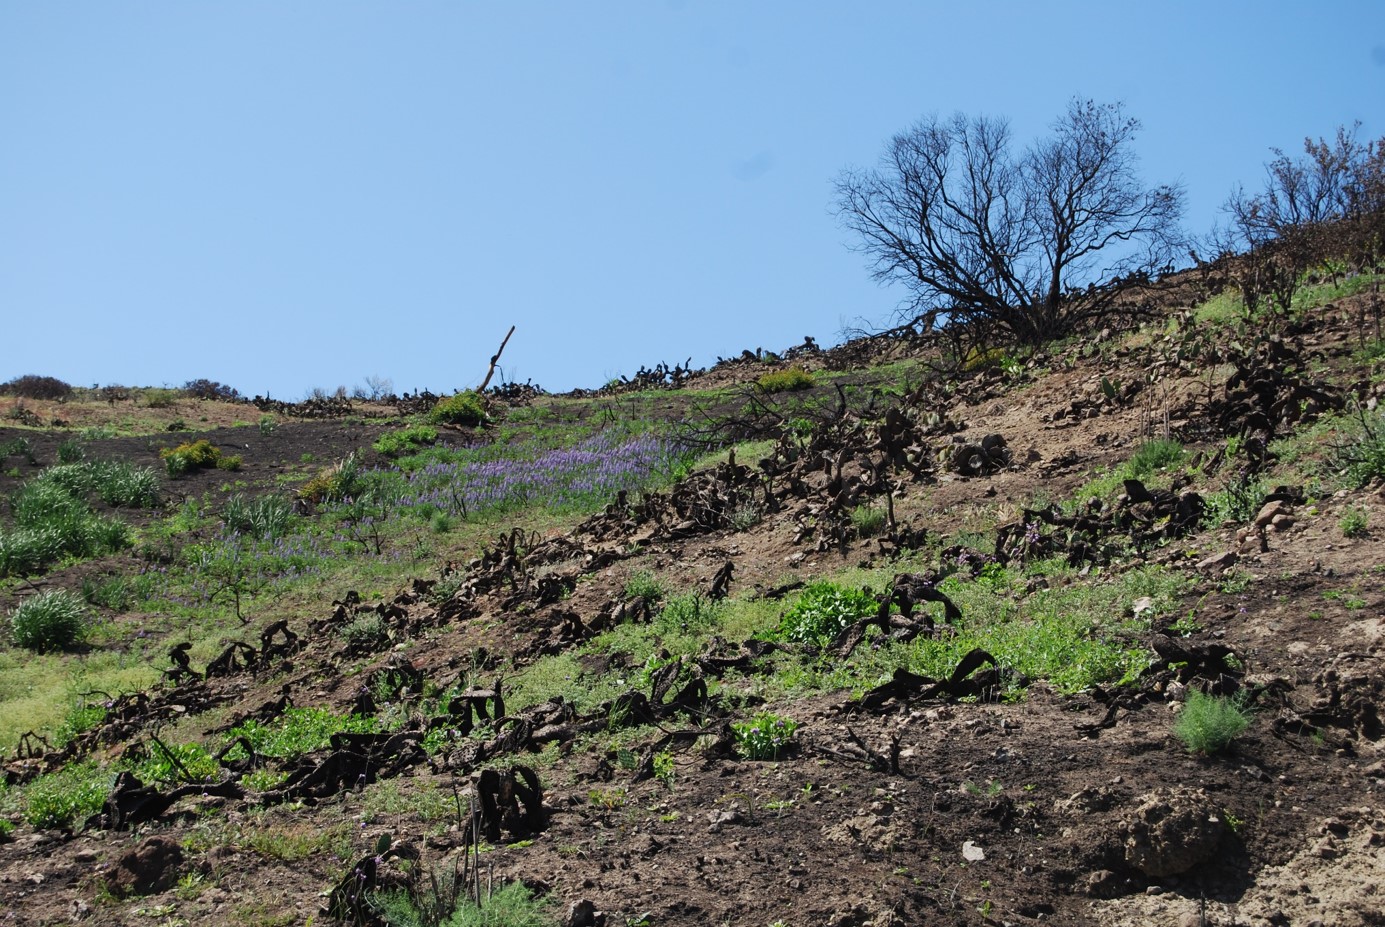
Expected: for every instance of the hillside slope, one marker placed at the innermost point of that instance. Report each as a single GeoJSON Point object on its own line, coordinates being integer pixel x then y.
{"type": "Point", "coordinates": [629, 682]}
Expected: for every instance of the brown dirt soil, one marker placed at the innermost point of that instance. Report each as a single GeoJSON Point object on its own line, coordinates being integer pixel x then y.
{"type": "Point", "coordinates": [1051, 809]}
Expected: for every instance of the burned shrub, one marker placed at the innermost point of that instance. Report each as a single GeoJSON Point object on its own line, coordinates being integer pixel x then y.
{"type": "Point", "coordinates": [32, 386]}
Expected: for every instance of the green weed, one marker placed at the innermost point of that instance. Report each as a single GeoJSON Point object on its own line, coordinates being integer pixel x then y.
{"type": "Point", "coordinates": [66, 797]}
{"type": "Point", "coordinates": [1354, 522]}
{"type": "Point", "coordinates": [1207, 724]}
{"type": "Point", "coordinates": [823, 611]}
{"type": "Point", "coordinates": [763, 737]}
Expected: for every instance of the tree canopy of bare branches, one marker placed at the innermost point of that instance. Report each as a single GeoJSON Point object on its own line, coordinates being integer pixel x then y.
{"type": "Point", "coordinates": [1326, 205]}
{"type": "Point", "coordinates": [1030, 244]}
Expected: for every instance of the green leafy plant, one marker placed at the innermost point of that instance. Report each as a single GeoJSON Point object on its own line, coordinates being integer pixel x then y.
{"type": "Point", "coordinates": [268, 424]}
{"type": "Point", "coordinates": [764, 737]}
{"type": "Point", "coordinates": [1207, 724]}
{"type": "Point", "coordinates": [298, 731]}
{"type": "Point", "coordinates": [1354, 522]}
{"type": "Point", "coordinates": [54, 620]}
{"type": "Point", "coordinates": [464, 408]}
{"type": "Point", "coordinates": [823, 611]}
{"type": "Point", "coordinates": [67, 796]}
{"type": "Point", "coordinates": [172, 763]}
{"type": "Point", "coordinates": [779, 381]}
{"type": "Point", "coordinates": [645, 585]}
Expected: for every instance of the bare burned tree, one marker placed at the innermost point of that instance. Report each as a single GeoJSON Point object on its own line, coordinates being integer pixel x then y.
{"type": "Point", "coordinates": [1326, 205]}
{"type": "Point", "coordinates": [1030, 245]}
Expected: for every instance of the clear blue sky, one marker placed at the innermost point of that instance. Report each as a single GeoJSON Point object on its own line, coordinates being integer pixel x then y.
{"type": "Point", "coordinates": [290, 194]}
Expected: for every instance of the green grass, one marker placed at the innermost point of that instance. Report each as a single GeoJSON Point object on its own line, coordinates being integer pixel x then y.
{"type": "Point", "coordinates": [53, 620]}
{"type": "Point", "coordinates": [38, 691]}
{"type": "Point", "coordinates": [51, 525]}
{"type": "Point", "coordinates": [408, 440]}
{"type": "Point", "coordinates": [1149, 460]}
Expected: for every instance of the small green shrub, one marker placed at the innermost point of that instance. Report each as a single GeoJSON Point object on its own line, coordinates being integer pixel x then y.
{"type": "Point", "coordinates": [49, 525]}
{"type": "Point", "coordinates": [268, 424]}
{"type": "Point", "coordinates": [745, 516]}
{"type": "Point", "coordinates": [406, 440]}
{"type": "Point", "coordinates": [1207, 724]}
{"type": "Point", "coordinates": [462, 408]}
{"type": "Point", "coordinates": [1154, 455]}
{"type": "Point", "coordinates": [1354, 522]}
{"type": "Point", "coordinates": [189, 456]}
{"type": "Point", "coordinates": [764, 737]}
{"type": "Point", "coordinates": [119, 592]}
{"type": "Point", "coordinates": [160, 398]}
{"type": "Point", "coordinates": [867, 520]}
{"type": "Point", "coordinates": [688, 613]}
{"type": "Point", "coordinates": [80, 719]}
{"type": "Point", "coordinates": [365, 632]}
{"type": "Point", "coordinates": [1239, 502]}
{"type": "Point", "coordinates": [267, 518]}
{"type": "Point", "coordinates": [824, 611]}
{"type": "Point", "coordinates": [117, 484]}
{"type": "Point", "coordinates": [645, 585]}
{"type": "Point", "coordinates": [1362, 455]}
{"type": "Point", "coordinates": [53, 620]}
{"type": "Point", "coordinates": [334, 483]}
{"type": "Point", "coordinates": [779, 381]}
{"type": "Point", "coordinates": [440, 900]}
{"type": "Point", "coordinates": [71, 451]}
{"type": "Point", "coordinates": [17, 447]}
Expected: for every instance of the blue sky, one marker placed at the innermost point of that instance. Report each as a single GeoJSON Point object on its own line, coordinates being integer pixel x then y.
{"type": "Point", "coordinates": [289, 195]}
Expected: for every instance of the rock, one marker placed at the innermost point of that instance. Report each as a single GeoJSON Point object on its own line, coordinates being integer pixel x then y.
{"type": "Point", "coordinates": [1217, 562]}
{"type": "Point", "coordinates": [1268, 512]}
{"type": "Point", "coordinates": [148, 868]}
{"type": "Point", "coordinates": [972, 853]}
{"type": "Point", "coordinates": [1282, 522]}
{"type": "Point", "coordinates": [1102, 884]}
{"type": "Point", "coordinates": [584, 914]}
{"type": "Point", "coordinates": [1171, 831]}
{"type": "Point", "coordinates": [716, 820]}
